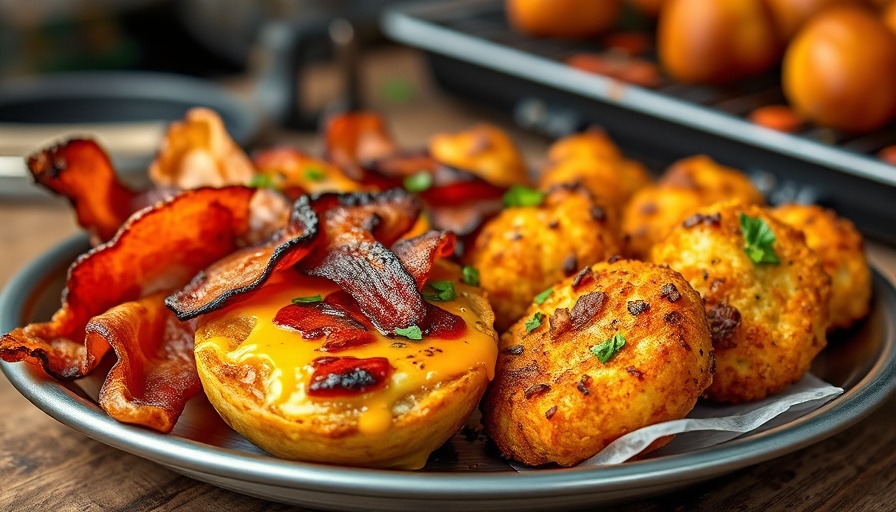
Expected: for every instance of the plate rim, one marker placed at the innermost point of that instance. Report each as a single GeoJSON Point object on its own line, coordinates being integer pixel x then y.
{"type": "Point", "coordinates": [62, 404]}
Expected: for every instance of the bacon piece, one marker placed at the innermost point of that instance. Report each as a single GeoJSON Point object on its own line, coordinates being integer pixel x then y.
{"type": "Point", "coordinates": [418, 254]}
{"type": "Point", "coordinates": [245, 270]}
{"type": "Point", "coordinates": [198, 152]}
{"type": "Point", "coordinates": [357, 229]}
{"type": "Point", "coordinates": [337, 319]}
{"type": "Point", "coordinates": [296, 173]}
{"type": "Point", "coordinates": [80, 171]}
{"type": "Point", "coordinates": [346, 376]}
{"type": "Point", "coordinates": [354, 138]}
{"type": "Point", "coordinates": [155, 374]}
{"type": "Point", "coordinates": [145, 256]}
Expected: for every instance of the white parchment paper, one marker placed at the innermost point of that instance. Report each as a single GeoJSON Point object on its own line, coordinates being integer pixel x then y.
{"type": "Point", "coordinates": [711, 424]}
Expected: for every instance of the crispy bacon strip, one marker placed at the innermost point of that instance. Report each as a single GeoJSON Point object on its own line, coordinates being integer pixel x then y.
{"type": "Point", "coordinates": [146, 255]}
{"type": "Point", "coordinates": [198, 152]}
{"type": "Point", "coordinates": [155, 374]}
{"type": "Point", "coordinates": [418, 254]}
{"type": "Point", "coordinates": [354, 138]}
{"type": "Point", "coordinates": [232, 277]}
{"type": "Point", "coordinates": [80, 171]}
{"type": "Point", "coordinates": [357, 229]}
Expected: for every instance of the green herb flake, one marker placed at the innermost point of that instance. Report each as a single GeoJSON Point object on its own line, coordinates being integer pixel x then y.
{"type": "Point", "coordinates": [609, 348]}
{"type": "Point", "coordinates": [314, 174]}
{"type": "Point", "coordinates": [412, 333]}
{"type": "Point", "coordinates": [470, 275]}
{"type": "Point", "coordinates": [418, 182]}
{"type": "Point", "coordinates": [261, 181]}
{"type": "Point", "coordinates": [759, 238]}
{"type": "Point", "coordinates": [444, 291]}
{"type": "Point", "coordinates": [307, 300]}
{"type": "Point", "coordinates": [543, 296]}
{"type": "Point", "coordinates": [534, 322]}
{"type": "Point", "coordinates": [519, 195]}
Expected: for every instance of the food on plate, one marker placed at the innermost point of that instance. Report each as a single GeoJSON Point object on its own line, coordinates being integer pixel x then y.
{"type": "Point", "coordinates": [572, 19]}
{"type": "Point", "coordinates": [198, 152]}
{"type": "Point", "coordinates": [620, 66]}
{"type": "Point", "coordinates": [716, 41]}
{"type": "Point", "coordinates": [619, 346]}
{"type": "Point", "coordinates": [842, 252]}
{"type": "Point", "coordinates": [353, 138]}
{"type": "Point", "coordinates": [840, 70]}
{"type": "Point", "coordinates": [386, 402]}
{"type": "Point", "coordinates": [592, 160]}
{"type": "Point", "coordinates": [777, 117]}
{"type": "Point", "coordinates": [528, 248]}
{"type": "Point", "coordinates": [484, 150]}
{"type": "Point", "coordinates": [687, 185]}
{"type": "Point", "coordinates": [791, 15]}
{"type": "Point", "coordinates": [766, 294]}
{"type": "Point", "coordinates": [297, 173]}
{"type": "Point", "coordinates": [108, 304]}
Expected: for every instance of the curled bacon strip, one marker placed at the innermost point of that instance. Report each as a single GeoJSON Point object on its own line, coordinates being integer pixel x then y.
{"type": "Point", "coordinates": [155, 374]}
{"type": "Point", "coordinates": [354, 138]}
{"type": "Point", "coordinates": [80, 171]}
{"type": "Point", "coordinates": [418, 254]}
{"type": "Point", "coordinates": [357, 229]}
{"type": "Point", "coordinates": [145, 256]}
{"type": "Point", "coordinates": [245, 270]}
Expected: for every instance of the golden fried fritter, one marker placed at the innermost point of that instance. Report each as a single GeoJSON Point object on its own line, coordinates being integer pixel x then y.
{"type": "Point", "coordinates": [686, 186]}
{"type": "Point", "coordinates": [524, 250]}
{"type": "Point", "coordinates": [591, 159]}
{"type": "Point", "coordinates": [561, 394]}
{"type": "Point", "coordinates": [485, 150]}
{"type": "Point", "coordinates": [842, 253]}
{"type": "Point", "coordinates": [768, 320]}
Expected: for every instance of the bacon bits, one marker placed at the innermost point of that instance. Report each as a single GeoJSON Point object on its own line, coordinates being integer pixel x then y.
{"type": "Point", "coordinates": [636, 307]}
{"type": "Point", "coordinates": [418, 254]}
{"type": "Point", "coordinates": [724, 319]}
{"type": "Point", "coordinates": [585, 309]}
{"type": "Point", "coordinates": [348, 376]}
{"type": "Point", "coordinates": [670, 292]}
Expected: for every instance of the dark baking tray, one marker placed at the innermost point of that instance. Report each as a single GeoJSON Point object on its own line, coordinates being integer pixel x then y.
{"type": "Point", "coordinates": [473, 52]}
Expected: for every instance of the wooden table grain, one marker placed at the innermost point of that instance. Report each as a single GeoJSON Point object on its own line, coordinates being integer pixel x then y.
{"type": "Point", "coordinates": [47, 466]}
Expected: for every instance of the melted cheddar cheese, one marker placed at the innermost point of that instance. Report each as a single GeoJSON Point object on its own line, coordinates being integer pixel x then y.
{"type": "Point", "coordinates": [419, 366]}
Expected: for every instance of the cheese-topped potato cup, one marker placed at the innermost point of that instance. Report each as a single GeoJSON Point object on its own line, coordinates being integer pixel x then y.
{"type": "Point", "coordinates": [386, 402]}
{"type": "Point", "coordinates": [617, 347]}
{"type": "Point", "coordinates": [842, 251]}
{"type": "Point", "coordinates": [766, 294]}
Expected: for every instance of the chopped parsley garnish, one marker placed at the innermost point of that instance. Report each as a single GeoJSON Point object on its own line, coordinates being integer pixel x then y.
{"type": "Point", "coordinates": [534, 322]}
{"type": "Point", "coordinates": [412, 333]}
{"type": "Point", "coordinates": [519, 195]}
{"type": "Point", "coordinates": [470, 275]}
{"type": "Point", "coordinates": [418, 182]}
{"type": "Point", "coordinates": [261, 181]}
{"type": "Point", "coordinates": [307, 300]}
{"type": "Point", "coordinates": [543, 296]}
{"type": "Point", "coordinates": [444, 291]}
{"type": "Point", "coordinates": [609, 348]}
{"type": "Point", "coordinates": [759, 238]}
{"type": "Point", "coordinates": [314, 174]}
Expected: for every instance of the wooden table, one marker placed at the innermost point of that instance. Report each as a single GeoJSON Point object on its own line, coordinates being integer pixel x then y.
{"type": "Point", "coordinates": [48, 466]}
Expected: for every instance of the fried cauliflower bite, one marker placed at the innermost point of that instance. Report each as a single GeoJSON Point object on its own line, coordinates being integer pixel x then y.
{"type": "Point", "coordinates": [484, 150]}
{"type": "Point", "coordinates": [525, 250]}
{"type": "Point", "coordinates": [686, 186]}
{"type": "Point", "coordinates": [767, 320]}
{"type": "Point", "coordinates": [554, 400]}
{"type": "Point", "coordinates": [591, 159]}
{"type": "Point", "coordinates": [842, 253]}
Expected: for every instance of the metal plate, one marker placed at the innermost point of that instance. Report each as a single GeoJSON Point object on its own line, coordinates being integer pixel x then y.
{"type": "Point", "coordinates": [466, 472]}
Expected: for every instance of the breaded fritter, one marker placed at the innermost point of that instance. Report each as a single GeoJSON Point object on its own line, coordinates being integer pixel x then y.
{"type": "Point", "coordinates": [842, 252]}
{"type": "Point", "coordinates": [768, 320]}
{"type": "Point", "coordinates": [554, 400]}
{"type": "Point", "coordinates": [686, 186]}
{"type": "Point", "coordinates": [525, 250]}
{"type": "Point", "coordinates": [591, 159]}
{"type": "Point", "coordinates": [484, 150]}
